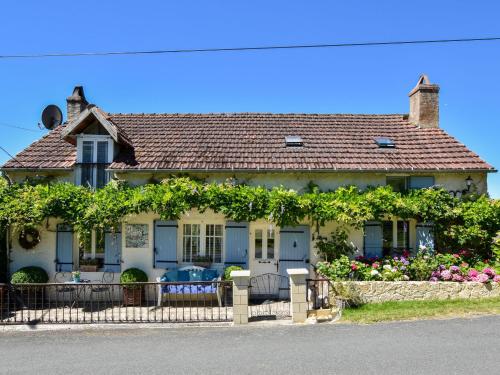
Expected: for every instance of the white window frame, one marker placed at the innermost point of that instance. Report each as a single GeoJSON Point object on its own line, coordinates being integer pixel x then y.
{"type": "Point", "coordinates": [265, 236]}
{"type": "Point", "coordinates": [203, 238]}
{"type": "Point", "coordinates": [79, 153]}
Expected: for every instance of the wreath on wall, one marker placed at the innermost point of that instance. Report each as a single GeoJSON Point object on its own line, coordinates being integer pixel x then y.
{"type": "Point", "coordinates": [29, 238]}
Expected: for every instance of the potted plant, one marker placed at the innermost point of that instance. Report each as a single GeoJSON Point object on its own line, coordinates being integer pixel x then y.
{"type": "Point", "coordinates": [76, 276]}
{"type": "Point", "coordinates": [133, 292]}
{"type": "Point", "coordinates": [202, 261]}
{"type": "Point", "coordinates": [89, 265]}
{"type": "Point", "coordinates": [30, 275]}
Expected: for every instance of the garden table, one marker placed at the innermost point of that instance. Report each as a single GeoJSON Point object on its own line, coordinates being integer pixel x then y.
{"type": "Point", "coordinates": [78, 291]}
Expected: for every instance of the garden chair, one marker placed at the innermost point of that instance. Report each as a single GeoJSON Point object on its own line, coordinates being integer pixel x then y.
{"type": "Point", "coordinates": [107, 278]}
{"type": "Point", "coordinates": [63, 290]}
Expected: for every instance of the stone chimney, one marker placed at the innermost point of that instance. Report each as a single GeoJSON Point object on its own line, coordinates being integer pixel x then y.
{"type": "Point", "coordinates": [76, 103]}
{"type": "Point", "coordinates": [424, 104]}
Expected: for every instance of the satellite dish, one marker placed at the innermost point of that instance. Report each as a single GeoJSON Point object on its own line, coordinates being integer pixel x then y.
{"type": "Point", "coordinates": [52, 116]}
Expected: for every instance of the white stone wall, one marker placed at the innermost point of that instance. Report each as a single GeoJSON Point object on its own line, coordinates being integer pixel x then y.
{"type": "Point", "coordinates": [382, 291]}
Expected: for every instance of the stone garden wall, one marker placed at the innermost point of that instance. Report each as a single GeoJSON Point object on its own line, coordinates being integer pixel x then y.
{"type": "Point", "coordinates": [381, 291]}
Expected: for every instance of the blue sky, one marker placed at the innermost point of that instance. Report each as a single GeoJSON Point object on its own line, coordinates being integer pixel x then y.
{"type": "Point", "coordinates": [342, 80]}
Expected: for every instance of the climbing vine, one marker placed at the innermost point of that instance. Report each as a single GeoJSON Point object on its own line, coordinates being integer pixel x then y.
{"type": "Point", "coordinates": [471, 222]}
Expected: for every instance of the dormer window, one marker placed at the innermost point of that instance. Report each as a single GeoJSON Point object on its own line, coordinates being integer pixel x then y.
{"type": "Point", "coordinates": [95, 154]}
{"type": "Point", "coordinates": [293, 141]}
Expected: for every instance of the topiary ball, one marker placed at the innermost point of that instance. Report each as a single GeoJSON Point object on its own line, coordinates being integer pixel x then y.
{"type": "Point", "coordinates": [133, 275]}
{"type": "Point", "coordinates": [29, 275]}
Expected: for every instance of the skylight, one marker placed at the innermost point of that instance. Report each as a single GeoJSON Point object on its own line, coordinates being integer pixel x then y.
{"type": "Point", "coordinates": [384, 142]}
{"type": "Point", "coordinates": [293, 141]}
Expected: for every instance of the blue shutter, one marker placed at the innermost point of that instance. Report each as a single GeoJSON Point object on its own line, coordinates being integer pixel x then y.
{"type": "Point", "coordinates": [237, 239]}
{"type": "Point", "coordinates": [113, 250]}
{"type": "Point", "coordinates": [425, 235]}
{"type": "Point", "coordinates": [421, 182]}
{"type": "Point", "coordinates": [64, 248]}
{"type": "Point", "coordinates": [165, 238]}
{"type": "Point", "coordinates": [373, 239]}
{"type": "Point", "coordinates": [294, 248]}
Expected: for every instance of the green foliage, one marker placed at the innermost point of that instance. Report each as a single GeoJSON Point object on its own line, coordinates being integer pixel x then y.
{"type": "Point", "coordinates": [228, 270]}
{"type": "Point", "coordinates": [28, 275]}
{"type": "Point", "coordinates": [334, 247]}
{"type": "Point", "coordinates": [470, 223]}
{"type": "Point", "coordinates": [338, 269]}
{"type": "Point", "coordinates": [133, 275]}
{"type": "Point", "coordinates": [422, 266]}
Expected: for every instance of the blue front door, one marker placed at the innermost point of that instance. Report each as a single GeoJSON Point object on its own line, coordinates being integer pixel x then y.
{"type": "Point", "coordinates": [373, 239]}
{"type": "Point", "coordinates": [165, 249]}
{"type": "Point", "coordinates": [237, 240]}
{"type": "Point", "coordinates": [113, 250]}
{"type": "Point", "coordinates": [64, 248]}
{"type": "Point", "coordinates": [294, 248]}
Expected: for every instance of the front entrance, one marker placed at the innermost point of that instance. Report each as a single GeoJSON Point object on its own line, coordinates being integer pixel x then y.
{"type": "Point", "coordinates": [263, 250]}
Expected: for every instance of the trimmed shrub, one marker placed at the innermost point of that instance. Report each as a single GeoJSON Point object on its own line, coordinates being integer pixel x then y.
{"type": "Point", "coordinates": [133, 275]}
{"type": "Point", "coordinates": [28, 275]}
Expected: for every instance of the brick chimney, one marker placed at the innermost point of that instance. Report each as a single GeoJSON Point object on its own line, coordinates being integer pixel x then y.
{"type": "Point", "coordinates": [76, 103]}
{"type": "Point", "coordinates": [424, 104]}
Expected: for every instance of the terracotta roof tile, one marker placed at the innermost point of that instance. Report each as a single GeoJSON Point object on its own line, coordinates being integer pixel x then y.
{"type": "Point", "coordinates": [251, 141]}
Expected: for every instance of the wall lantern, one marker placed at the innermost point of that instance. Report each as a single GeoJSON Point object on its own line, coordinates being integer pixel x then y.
{"type": "Point", "coordinates": [468, 181]}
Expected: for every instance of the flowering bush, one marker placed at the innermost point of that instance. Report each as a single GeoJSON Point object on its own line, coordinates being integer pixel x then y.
{"type": "Point", "coordinates": [458, 267]}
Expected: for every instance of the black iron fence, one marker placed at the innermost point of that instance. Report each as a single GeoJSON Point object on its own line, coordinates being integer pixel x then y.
{"type": "Point", "coordinates": [152, 302]}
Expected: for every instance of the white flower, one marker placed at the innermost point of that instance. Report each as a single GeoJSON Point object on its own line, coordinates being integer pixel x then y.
{"type": "Point", "coordinates": [422, 247]}
{"type": "Point", "coordinates": [387, 267]}
{"type": "Point", "coordinates": [406, 277]}
{"type": "Point", "coordinates": [374, 272]}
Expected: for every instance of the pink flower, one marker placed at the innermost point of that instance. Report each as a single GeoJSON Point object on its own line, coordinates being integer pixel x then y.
{"type": "Point", "coordinates": [473, 273]}
{"type": "Point", "coordinates": [454, 269]}
{"type": "Point", "coordinates": [496, 279]}
{"type": "Point", "coordinates": [488, 271]}
{"type": "Point", "coordinates": [474, 279]}
{"type": "Point", "coordinates": [483, 278]}
{"type": "Point", "coordinates": [457, 277]}
{"type": "Point", "coordinates": [456, 256]}
{"type": "Point", "coordinates": [433, 279]}
{"type": "Point", "coordinates": [446, 275]}
{"type": "Point", "coordinates": [464, 264]}
{"type": "Point", "coordinates": [375, 265]}
{"type": "Point", "coordinates": [354, 267]}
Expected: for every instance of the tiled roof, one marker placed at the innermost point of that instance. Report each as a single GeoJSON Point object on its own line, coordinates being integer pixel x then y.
{"type": "Point", "coordinates": [256, 141]}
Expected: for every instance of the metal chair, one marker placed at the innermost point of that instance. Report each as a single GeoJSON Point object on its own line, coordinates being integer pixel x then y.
{"type": "Point", "coordinates": [64, 289]}
{"type": "Point", "coordinates": [107, 278]}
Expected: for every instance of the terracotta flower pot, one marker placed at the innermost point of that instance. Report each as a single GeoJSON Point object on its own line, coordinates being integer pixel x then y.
{"type": "Point", "coordinates": [132, 296]}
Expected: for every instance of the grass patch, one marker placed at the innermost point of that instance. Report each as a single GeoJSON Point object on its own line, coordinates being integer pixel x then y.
{"type": "Point", "coordinates": [411, 310]}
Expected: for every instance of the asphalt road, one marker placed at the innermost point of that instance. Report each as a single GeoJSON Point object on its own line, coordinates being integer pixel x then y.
{"type": "Point", "coordinates": [460, 346]}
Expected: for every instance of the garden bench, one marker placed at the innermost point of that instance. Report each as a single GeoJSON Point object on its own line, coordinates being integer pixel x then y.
{"type": "Point", "coordinates": [190, 284]}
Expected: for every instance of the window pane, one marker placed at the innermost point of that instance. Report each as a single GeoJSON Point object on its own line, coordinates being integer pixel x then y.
{"type": "Point", "coordinates": [421, 182]}
{"type": "Point", "coordinates": [398, 183]}
{"type": "Point", "coordinates": [102, 152]}
{"type": "Point", "coordinates": [87, 152]}
{"type": "Point", "coordinates": [403, 234]}
{"type": "Point", "coordinates": [102, 176]}
{"type": "Point", "coordinates": [213, 242]}
{"type": "Point", "coordinates": [270, 244]}
{"type": "Point", "coordinates": [87, 175]}
{"type": "Point", "coordinates": [258, 244]}
{"type": "Point", "coordinates": [190, 242]}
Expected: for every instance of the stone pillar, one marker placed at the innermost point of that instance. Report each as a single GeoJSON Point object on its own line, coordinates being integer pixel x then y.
{"type": "Point", "coordinates": [241, 281]}
{"type": "Point", "coordinates": [298, 293]}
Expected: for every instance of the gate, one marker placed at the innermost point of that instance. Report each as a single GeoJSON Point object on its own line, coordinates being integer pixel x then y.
{"type": "Point", "coordinates": [269, 297]}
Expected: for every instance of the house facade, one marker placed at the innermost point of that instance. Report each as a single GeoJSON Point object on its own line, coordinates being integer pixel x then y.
{"type": "Point", "coordinates": [406, 151]}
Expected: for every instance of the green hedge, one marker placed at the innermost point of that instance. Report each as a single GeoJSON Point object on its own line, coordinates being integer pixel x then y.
{"type": "Point", "coordinates": [29, 275]}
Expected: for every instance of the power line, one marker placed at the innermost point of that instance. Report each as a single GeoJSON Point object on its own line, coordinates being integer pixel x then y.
{"type": "Point", "coordinates": [20, 127]}
{"type": "Point", "coordinates": [11, 156]}
{"type": "Point", "coordinates": [257, 48]}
